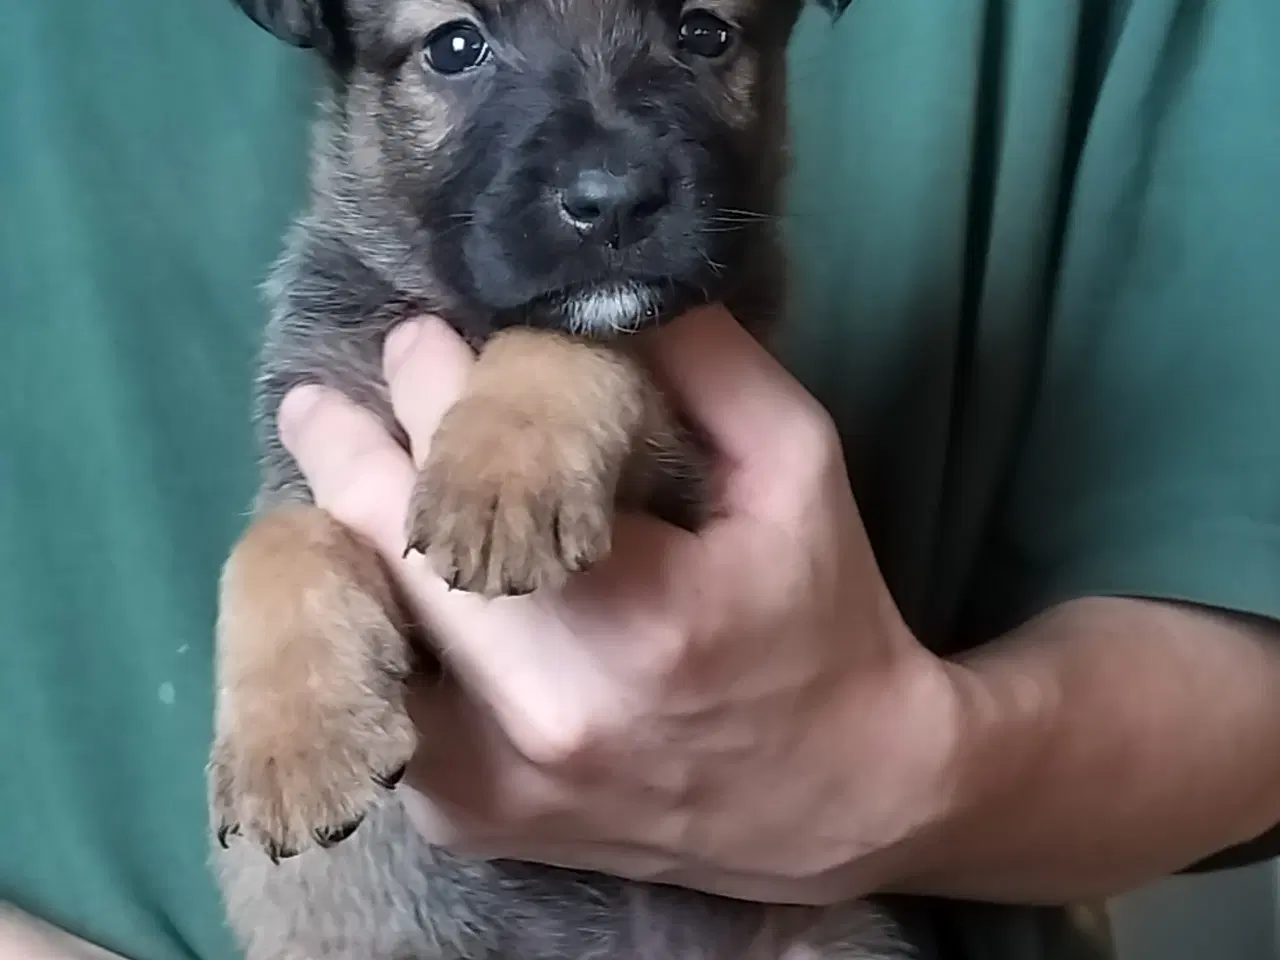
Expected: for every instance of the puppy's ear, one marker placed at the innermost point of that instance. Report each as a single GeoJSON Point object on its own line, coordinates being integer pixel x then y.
{"type": "Point", "coordinates": [316, 24]}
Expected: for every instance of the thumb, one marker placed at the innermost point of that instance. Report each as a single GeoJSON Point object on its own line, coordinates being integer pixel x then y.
{"type": "Point", "coordinates": [755, 414]}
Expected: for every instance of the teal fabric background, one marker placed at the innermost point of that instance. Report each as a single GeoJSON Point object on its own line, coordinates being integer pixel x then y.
{"type": "Point", "coordinates": [1035, 247]}
{"type": "Point", "coordinates": [150, 154]}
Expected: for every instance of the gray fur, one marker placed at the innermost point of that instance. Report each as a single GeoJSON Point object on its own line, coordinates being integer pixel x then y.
{"type": "Point", "coordinates": [353, 266]}
{"type": "Point", "coordinates": [384, 894]}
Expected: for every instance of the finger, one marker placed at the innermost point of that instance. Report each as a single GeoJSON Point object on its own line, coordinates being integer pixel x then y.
{"type": "Point", "coordinates": [354, 467]}
{"type": "Point", "coordinates": [749, 407]}
{"type": "Point", "coordinates": [643, 588]}
{"type": "Point", "coordinates": [471, 790]}
{"type": "Point", "coordinates": [474, 781]}
{"type": "Point", "coordinates": [426, 365]}
{"type": "Point", "coordinates": [734, 388]}
{"type": "Point", "coordinates": [450, 775]}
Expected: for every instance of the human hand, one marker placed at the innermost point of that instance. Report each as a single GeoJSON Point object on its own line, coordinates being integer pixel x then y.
{"type": "Point", "coordinates": [740, 710]}
{"type": "Point", "coordinates": [24, 937]}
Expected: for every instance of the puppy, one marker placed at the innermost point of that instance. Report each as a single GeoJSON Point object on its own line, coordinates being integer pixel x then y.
{"type": "Point", "coordinates": [548, 175]}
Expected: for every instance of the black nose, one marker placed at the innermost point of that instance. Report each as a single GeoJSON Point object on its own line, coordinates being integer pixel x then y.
{"type": "Point", "coordinates": [619, 208]}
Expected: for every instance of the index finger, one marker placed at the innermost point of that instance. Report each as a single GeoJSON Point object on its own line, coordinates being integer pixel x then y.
{"type": "Point", "coordinates": [354, 467]}
{"type": "Point", "coordinates": [426, 365]}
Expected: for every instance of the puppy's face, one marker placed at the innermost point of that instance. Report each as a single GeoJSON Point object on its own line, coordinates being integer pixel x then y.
{"type": "Point", "coordinates": [588, 164]}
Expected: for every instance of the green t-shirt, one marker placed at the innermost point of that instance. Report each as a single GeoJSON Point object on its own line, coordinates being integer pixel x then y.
{"type": "Point", "coordinates": [1034, 282]}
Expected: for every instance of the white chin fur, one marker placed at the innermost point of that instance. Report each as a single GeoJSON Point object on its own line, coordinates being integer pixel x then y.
{"type": "Point", "coordinates": [619, 308]}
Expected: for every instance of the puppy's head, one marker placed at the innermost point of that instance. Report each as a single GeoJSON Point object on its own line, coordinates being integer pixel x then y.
{"type": "Point", "coordinates": [588, 164]}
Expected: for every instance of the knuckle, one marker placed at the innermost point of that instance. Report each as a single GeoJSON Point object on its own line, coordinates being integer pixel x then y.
{"type": "Point", "coordinates": [669, 653]}
{"type": "Point", "coordinates": [811, 456]}
{"type": "Point", "coordinates": [564, 747]}
{"type": "Point", "coordinates": [814, 438]}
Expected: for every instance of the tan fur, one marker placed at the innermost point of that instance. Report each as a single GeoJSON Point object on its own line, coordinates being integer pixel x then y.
{"type": "Point", "coordinates": [738, 103]}
{"type": "Point", "coordinates": [433, 125]}
{"type": "Point", "coordinates": [418, 18]}
{"type": "Point", "coordinates": [311, 662]}
{"type": "Point", "coordinates": [518, 492]}
{"type": "Point", "coordinates": [520, 486]}
{"type": "Point", "coordinates": [521, 483]}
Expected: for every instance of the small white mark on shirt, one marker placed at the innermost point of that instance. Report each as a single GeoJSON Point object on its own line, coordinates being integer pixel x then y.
{"type": "Point", "coordinates": [166, 693]}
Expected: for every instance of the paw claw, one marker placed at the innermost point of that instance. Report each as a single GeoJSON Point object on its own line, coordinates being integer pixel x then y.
{"type": "Point", "coordinates": [301, 580]}
{"type": "Point", "coordinates": [390, 780]}
{"type": "Point", "coordinates": [417, 543]}
{"type": "Point", "coordinates": [328, 837]}
{"type": "Point", "coordinates": [510, 532]}
{"type": "Point", "coordinates": [225, 831]}
{"type": "Point", "coordinates": [278, 852]}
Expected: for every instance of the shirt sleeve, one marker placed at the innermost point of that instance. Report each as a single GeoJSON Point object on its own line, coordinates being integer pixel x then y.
{"type": "Point", "coordinates": [1150, 463]}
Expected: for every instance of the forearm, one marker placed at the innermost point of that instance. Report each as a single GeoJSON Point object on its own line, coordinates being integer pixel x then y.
{"type": "Point", "coordinates": [1108, 743]}
{"type": "Point", "coordinates": [22, 937]}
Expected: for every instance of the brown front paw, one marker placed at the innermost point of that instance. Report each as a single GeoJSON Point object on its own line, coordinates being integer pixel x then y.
{"type": "Point", "coordinates": [507, 504]}
{"type": "Point", "coordinates": [311, 723]}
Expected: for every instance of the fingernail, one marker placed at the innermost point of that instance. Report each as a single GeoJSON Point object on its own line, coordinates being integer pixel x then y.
{"type": "Point", "coordinates": [296, 407]}
{"type": "Point", "coordinates": [399, 342]}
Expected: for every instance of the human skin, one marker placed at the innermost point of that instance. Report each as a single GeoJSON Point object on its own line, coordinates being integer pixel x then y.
{"type": "Point", "coordinates": [744, 710]}
{"type": "Point", "coordinates": [22, 937]}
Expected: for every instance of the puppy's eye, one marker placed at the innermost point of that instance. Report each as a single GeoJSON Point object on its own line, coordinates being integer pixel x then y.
{"type": "Point", "coordinates": [455, 48]}
{"type": "Point", "coordinates": [704, 34]}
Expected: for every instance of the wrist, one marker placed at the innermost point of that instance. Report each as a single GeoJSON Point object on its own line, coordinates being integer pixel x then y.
{"type": "Point", "coordinates": [1088, 755]}
{"type": "Point", "coordinates": [996, 731]}
{"type": "Point", "coordinates": [943, 731]}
